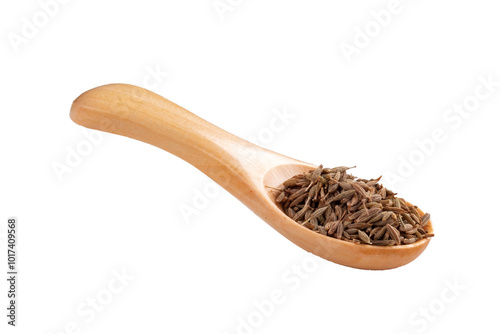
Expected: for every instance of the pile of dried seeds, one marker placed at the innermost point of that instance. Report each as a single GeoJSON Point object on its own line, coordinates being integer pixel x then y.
{"type": "Point", "coordinates": [334, 203]}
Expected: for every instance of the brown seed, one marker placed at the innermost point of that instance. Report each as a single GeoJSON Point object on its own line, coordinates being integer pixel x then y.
{"type": "Point", "coordinates": [376, 217]}
{"type": "Point", "coordinates": [318, 212]}
{"type": "Point", "coordinates": [409, 241]}
{"type": "Point", "coordinates": [317, 173]}
{"type": "Point", "coordinates": [374, 230]}
{"type": "Point", "coordinates": [290, 183]}
{"type": "Point", "coordinates": [353, 201]}
{"type": "Point", "coordinates": [373, 182]}
{"type": "Point", "coordinates": [386, 215]}
{"type": "Point", "coordinates": [281, 197]}
{"type": "Point", "coordinates": [409, 219]}
{"type": "Point", "coordinates": [345, 185]}
{"type": "Point", "coordinates": [394, 234]}
{"type": "Point", "coordinates": [407, 227]}
{"type": "Point", "coordinates": [355, 215]}
{"type": "Point", "coordinates": [313, 191]}
{"type": "Point", "coordinates": [413, 230]}
{"type": "Point", "coordinates": [301, 213]}
{"type": "Point", "coordinates": [386, 202]}
{"type": "Point", "coordinates": [359, 225]}
{"type": "Point", "coordinates": [332, 187]}
{"type": "Point", "coordinates": [397, 204]}
{"type": "Point", "coordinates": [359, 189]}
{"type": "Point", "coordinates": [373, 204]}
{"type": "Point", "coordinates": [322, 230]}
{"type": "Point", "coordinates": [328, 211]}
{"type": "Point", "coordinates": [303, 183]}
{"type": "Point", "coordinates": [416, 218]}
{"type": "Point", "coordinates": [421, 231]}
{"type": "Point", "coordinates": [340, 229]}
{"type": "Point", "coordinates": [307, 215]}
{"type": "Point", "coordinates": [352, 230]}
{"type": "Point", "coordinates": [297, 194]}
{"type": "Point", "coordinates": [379, 224]}
{"type": "Point", "coordinates": [394, 209]}
{"type": "Point", "coordinates": [364, 237]}
{"type": "Point", "coordinates": [298, 200]}
{"type": "Point", "coordinates": [371, 213]}
{"type": "Point", "coordinates": [425, 219]}
{"type": "Point", "coordinates": [380, 233]}
{"type": "Point", "coordinates": [333, 227]}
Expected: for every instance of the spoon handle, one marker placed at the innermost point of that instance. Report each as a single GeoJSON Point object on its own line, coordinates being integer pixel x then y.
{"type": "Point", "coordinates": [234, 163]}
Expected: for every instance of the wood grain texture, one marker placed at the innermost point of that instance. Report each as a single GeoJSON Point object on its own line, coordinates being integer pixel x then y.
{"type": "Point", "coordinates": [240, 167]}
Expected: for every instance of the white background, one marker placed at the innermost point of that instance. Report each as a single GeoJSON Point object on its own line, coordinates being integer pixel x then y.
{"type": "Point", "coordinates": [120, 206]}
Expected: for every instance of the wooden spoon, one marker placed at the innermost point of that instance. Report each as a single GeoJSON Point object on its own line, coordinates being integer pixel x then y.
{"type": "Point", "coordinates": [242, 168]}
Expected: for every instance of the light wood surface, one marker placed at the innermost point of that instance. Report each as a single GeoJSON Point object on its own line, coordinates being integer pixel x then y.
{"type": "Point", "coordinates": [241, 167]}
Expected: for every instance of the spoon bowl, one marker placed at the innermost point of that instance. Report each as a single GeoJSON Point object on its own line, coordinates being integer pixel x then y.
{"type": "Point", "coordinates": [349, 254]}
{"type": "Point", "coordinates": [247, 171]}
